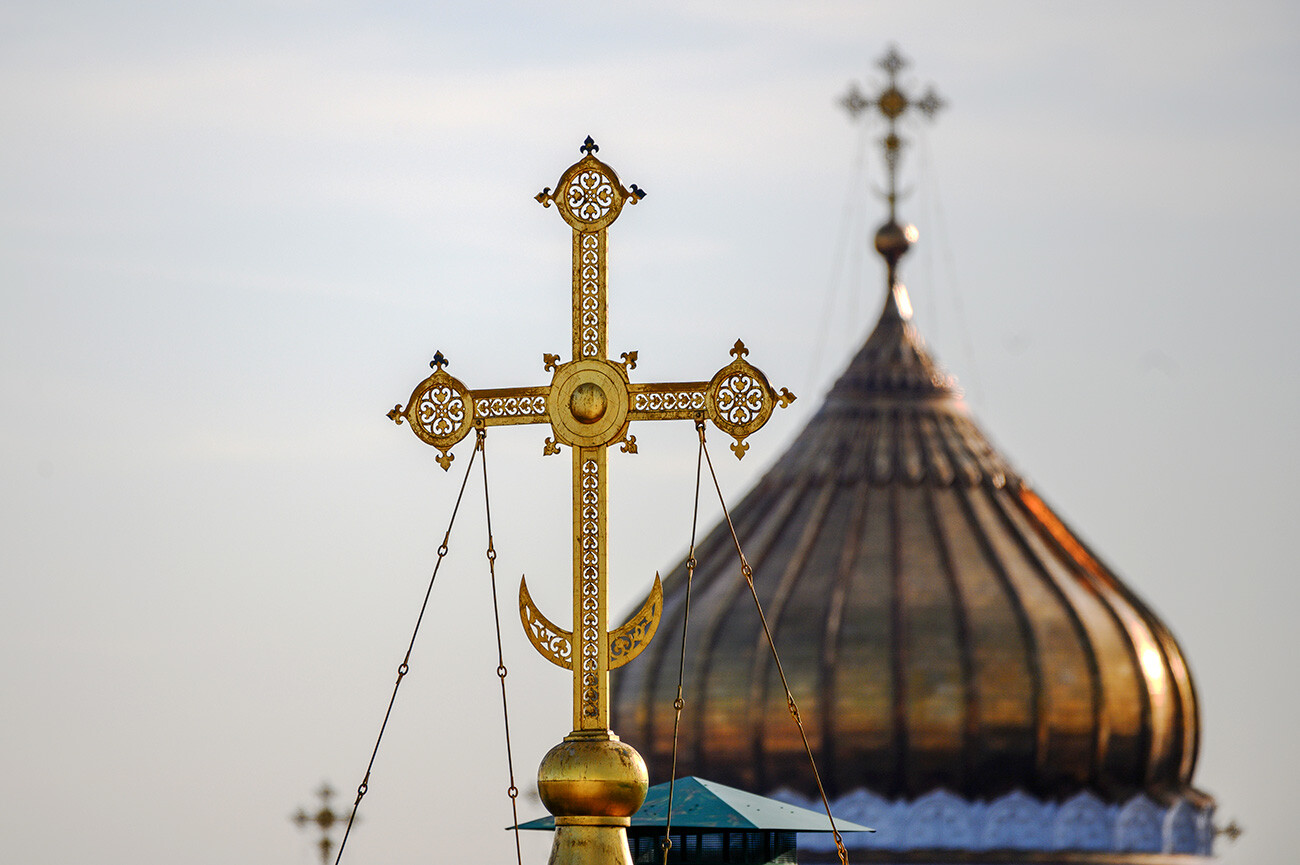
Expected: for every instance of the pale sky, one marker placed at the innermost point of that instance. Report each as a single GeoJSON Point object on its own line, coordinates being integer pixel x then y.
{"type": "Point", "coordinates": [232, 236]}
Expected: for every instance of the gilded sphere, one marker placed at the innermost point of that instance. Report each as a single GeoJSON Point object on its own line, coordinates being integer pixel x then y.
{"type": "Point", "coordinates": [594, 777]}
{"type": "Point", "coordinates": [893, 240]}
{"type": "Point", "coordinates": [588, 402]}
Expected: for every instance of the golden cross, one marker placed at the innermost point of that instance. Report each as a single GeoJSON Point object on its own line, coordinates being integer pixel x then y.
{"type": "Point", "coordinates": [589, 405]}
{"type": "Point", "coordinates": [893, 103]}
{"type": "Point", "coordinates": [592, 782]}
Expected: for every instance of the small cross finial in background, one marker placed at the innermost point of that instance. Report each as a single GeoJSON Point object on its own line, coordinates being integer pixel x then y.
{"type": "Point", "coordinates": [892, 103]}
{"type": "Point", "coordinates": [325, 818]}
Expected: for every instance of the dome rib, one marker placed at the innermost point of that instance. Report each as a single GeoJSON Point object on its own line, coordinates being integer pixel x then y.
{"type": "Point", "coordinates": [898, 655]}
{"type": "Point", "coordinates": [657, 675]}
{"type": "Point", "coordinates": [965, 643]}
{"type": "Point", "coordinates": [836, 603]}
{"type": "Point", "coordinates": [766, 534]}
{"type": "Point", "coordinates": [774, 610]}
{"type": "Point", "coordinates": [1086, 774]}
{"type": "Point", "coordinates": [1142, 627]}
{"type": "Point", "coordinates": [909, 449]}
{"type": "Point", "coordinates": [1010, 746]}
{"type": "Point", "coordinates": [864, 680]}
{"type": "Point", "coordinates": [940, 465]}
{"type": "Point", "coordinates": [1184, 691]}
{"type": "Point", "coordinates": [1124, 622]}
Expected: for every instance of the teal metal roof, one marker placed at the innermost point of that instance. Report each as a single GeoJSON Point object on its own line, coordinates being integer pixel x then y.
{"type": "Point", "coordinates": [700, 804]}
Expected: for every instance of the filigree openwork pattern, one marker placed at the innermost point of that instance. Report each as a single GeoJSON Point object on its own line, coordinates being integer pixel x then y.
{"type": "Point", "coordinates": [441, 410]}
{"type": "Point", "coordinates": [630, 638]}
{"type": "Point", "coordinates": [740, 398]}
{"type": "Point", "coordinates": [589, 635]}
{"type": "Point", "coordinates": [557, 644]}
{"type": "Point", "coordinates": [522, 406]}
{"type": "Point", "coordinates": [686, 400]}
{"type": "Point", "coordinates": [590, 195]}
{"type": "Point", "coordinates": [590, 314]}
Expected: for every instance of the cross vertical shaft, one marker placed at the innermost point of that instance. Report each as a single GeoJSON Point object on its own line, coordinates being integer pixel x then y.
{"type": "Point", "coordinates": [589, 312]}
{"type": "Point", "coordinates": [590, 601]}
{"type": "Point", "coordinates": [589, 197]}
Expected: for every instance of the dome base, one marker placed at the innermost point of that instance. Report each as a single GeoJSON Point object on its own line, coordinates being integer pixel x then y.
{"type": "Point", "coordinates": [1005, 857]}
{"type": "Point", "coordinates": [941, 827]}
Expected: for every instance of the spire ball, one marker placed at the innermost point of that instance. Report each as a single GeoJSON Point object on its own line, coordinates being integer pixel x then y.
{"type": "Point", "coordinates": [894, 240]}
{"type": "Point", "coordinates": [592, 776]}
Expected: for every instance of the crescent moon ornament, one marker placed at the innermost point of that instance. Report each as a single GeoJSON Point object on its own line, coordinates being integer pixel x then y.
{"type": "Point", "coordinates": [555, 644]}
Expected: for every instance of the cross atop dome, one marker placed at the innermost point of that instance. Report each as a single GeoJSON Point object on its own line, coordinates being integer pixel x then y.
{"type": "Point", "coordinates": [893, 239]}
{"type": "Point", "coordinates": [892, 103]}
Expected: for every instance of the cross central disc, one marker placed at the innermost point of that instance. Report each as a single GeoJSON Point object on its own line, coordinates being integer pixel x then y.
{"type": "Point", "coordinates": [588, 402]}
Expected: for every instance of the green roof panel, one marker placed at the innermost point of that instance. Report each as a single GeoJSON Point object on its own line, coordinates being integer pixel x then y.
{"type": "Point", "coordinates": [700, 804]}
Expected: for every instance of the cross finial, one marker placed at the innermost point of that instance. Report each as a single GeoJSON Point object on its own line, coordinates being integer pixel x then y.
{"type": "Point", "coordinates": [892, 103]}
{"type": "Point", "coordinates": [324, 819]}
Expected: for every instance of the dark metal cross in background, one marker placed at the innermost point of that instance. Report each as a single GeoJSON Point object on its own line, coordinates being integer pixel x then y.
{"type": "Point", "coordinates": [325, 818]}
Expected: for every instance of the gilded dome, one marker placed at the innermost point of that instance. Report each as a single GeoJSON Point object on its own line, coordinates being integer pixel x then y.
{"type": "Point", "coordinates": [940, 626]}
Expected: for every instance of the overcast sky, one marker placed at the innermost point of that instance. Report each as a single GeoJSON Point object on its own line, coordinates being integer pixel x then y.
{"type": "Point", "coordinates": [233, 234]}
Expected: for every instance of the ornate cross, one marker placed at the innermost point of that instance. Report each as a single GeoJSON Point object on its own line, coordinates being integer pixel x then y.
{"type": "Point", "coordinates": [589, 405]}
{"type": "Point", "coordinates": [591, 782]}
{"type": "Point", "coordinates": [893, 103]}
